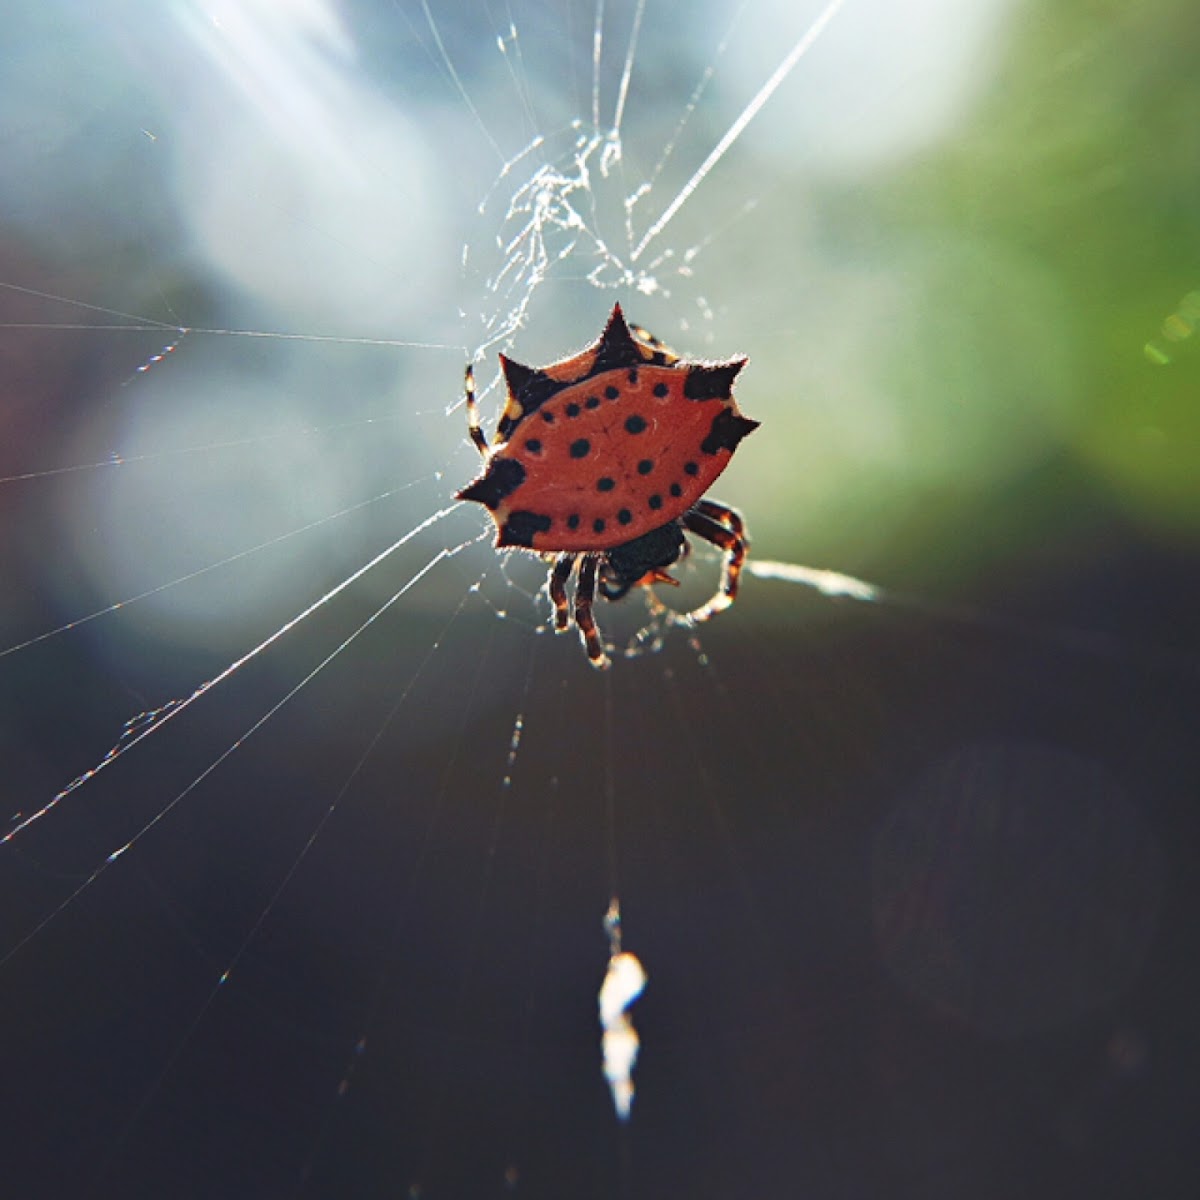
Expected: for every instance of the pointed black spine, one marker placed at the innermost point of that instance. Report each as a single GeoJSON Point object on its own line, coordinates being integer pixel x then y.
{"type": "Point", "coordinates": [617, 346]}
{"type": "Point", "coordinates": [502, 477]}
{"type": "Point", "coordinates": [712, 381]}
{"type": "Point", "coordinates": [727, 429]}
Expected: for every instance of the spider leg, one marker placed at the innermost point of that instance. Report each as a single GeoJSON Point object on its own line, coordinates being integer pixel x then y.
{"type": "Point", "coordinates": [557, 586]}
{"type": "Point", "coordinates": [729, 517]}
{"type": "Point", "coordinates": [666, 354]}
{"type": "Point", "coordinates": [585, 595]}
{"type": "Point", "coordinates": [473, 430]}
{"type": "Point", "coordinates": [723, 527]}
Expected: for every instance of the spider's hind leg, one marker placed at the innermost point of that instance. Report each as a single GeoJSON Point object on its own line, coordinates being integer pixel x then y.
{"type": "Point", "coordinates": [723, 526]}
{"type": "Point", "coordinates": [585, 595]}
{"type": "Point", "coordinates": [557, 587]}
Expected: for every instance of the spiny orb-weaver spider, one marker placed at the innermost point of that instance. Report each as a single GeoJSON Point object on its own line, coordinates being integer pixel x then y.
{"type": "Point", "coordinates": [601, 462]}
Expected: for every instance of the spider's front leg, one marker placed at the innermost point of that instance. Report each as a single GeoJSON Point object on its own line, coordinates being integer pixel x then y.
{"type": "Point", "coordinates": [723, 526]}
{"type": "Point", "coordinates": [474, 432]}
{"type": "Point", "coordinates": [585, 596]}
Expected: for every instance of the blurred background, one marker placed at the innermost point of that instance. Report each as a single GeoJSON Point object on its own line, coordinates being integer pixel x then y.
{"type": "Point", "coordinates": [911, 878]}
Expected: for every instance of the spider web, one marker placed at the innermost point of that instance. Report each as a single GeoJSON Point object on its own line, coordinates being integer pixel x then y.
{"type": "Point", "coordinates": [313, 830]}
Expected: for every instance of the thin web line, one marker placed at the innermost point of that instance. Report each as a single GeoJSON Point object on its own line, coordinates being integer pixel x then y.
{"type": "Point", "coordinates": [829, 583]}
{"type": "Point", "coordinates": [468, 957]}
{"type": "Point", "coordinates": [336, 339]}
{"type": "Point", "coordinates": [694, 99]}
{"type": "Point", "coordinates": [458, 83]}
{"type": "Point", "coordinates": [515, 62]}
{"type": "Point", "coordinates": [597, 54]}
{"type": "Point", "coordinates": [1091, 643]}
{"type": "Point", "coordinates": [406, 897]}
{"type": "Point", "coordinates": [736, 130]}
{"type": "Point", "coordinates": [213, 566]}
{"type": "Point", "coordinates": [112, 312]}
{"type": "Point", "coordinates": [169, 713]}
{"type": "Point", "coordinates": [162, 814]}
{"type": "Point", "coordinates": [627, 72]}
{"type": "Point", "coordinates": [144, 324]}
{"type": "Point", "coordinates": [125, 460]}
{"type": "Point", "coordinates": [333, 806]}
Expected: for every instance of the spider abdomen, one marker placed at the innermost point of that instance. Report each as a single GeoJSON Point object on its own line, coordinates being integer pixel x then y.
{"type": "Point", "coordinates": [607, 446]}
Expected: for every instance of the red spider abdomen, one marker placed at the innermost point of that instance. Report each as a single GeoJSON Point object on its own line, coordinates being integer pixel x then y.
{"type": "Point", "coordinates": [603, 447]}
{"type": "Point", "coordinates": [609, 459]}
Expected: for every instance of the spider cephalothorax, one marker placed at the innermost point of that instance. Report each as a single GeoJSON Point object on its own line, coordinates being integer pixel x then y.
{"type": "Point", "coordinates": [601, 462]}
